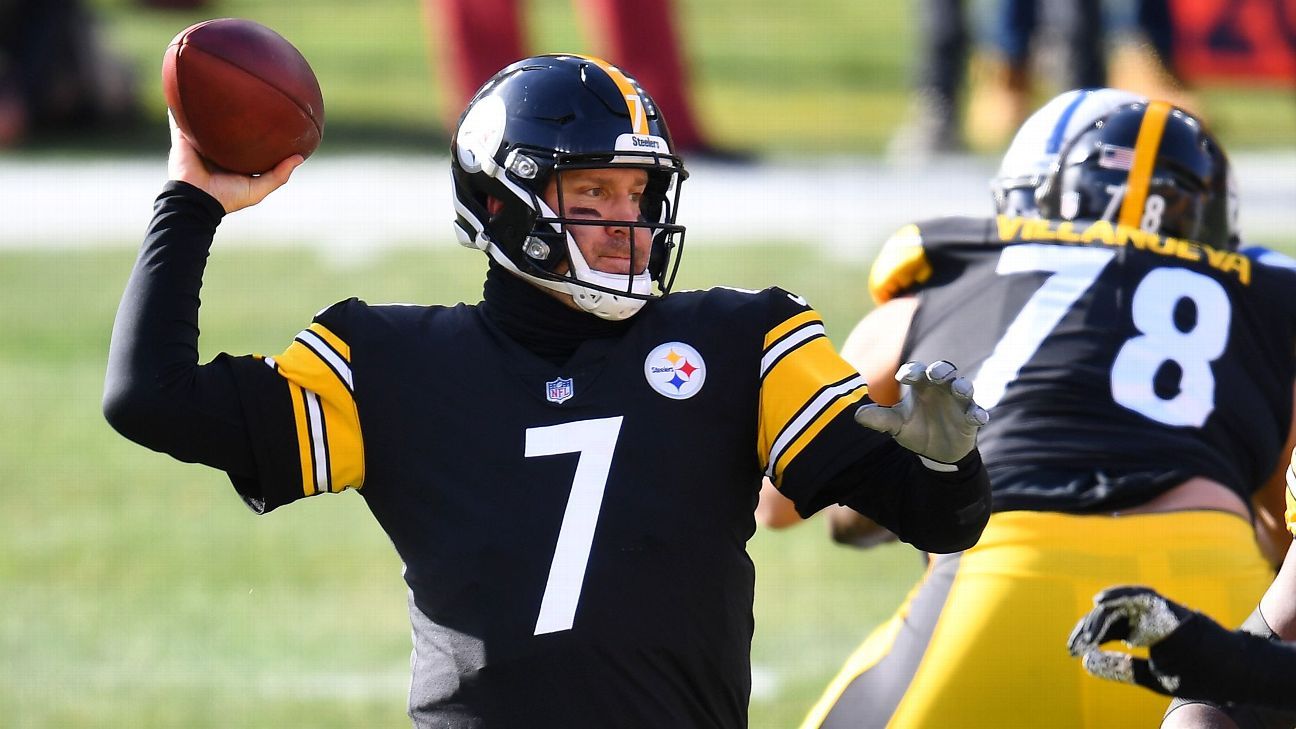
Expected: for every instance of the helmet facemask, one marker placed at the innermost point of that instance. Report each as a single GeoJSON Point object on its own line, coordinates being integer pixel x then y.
{"type": "Point", "coordinates": [550, 254]}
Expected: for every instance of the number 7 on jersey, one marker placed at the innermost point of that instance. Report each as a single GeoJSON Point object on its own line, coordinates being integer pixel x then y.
{"type": "Point", "coordinates": [594, 440]}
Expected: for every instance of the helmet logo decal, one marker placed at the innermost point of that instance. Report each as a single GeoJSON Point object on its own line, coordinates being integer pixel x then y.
{"type": "Point", "coordinates": [560, 390]}
{"type": "Point", "coordinates": [1145, 153]}
{"type": "Point", "coordinates": [480, 134]}
{"type": "Point", "coordinates": [638, 119]}
{"type": "Point", "coordinates": [676, 370]}
{"type": "Point", "coordinates": [634, 101]}
{"type": "Point", "coordinates": [1113, 157]}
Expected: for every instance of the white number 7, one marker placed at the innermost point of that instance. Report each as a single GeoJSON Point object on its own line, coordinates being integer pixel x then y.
{"type": "Point", "coordinates": [594, 440]}
{"type": "Point", "coordinates": [1074, 271]}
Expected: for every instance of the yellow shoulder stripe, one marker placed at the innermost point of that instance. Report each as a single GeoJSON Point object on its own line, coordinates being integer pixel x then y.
{"type": "Point", "coordinates": [900, 264]}
{"type": "Point", "coordinates": [796, 404]}
{"type": "Point", "coordinates": [794, 448]}
{"type": "Point", "coordinates": [789, 324]}
{"type": "Point", "coordinates": [332, 339]}
{"type": "Point", "coordinates": [330, 444]}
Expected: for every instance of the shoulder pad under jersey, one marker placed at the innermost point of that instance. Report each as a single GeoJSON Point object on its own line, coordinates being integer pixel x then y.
{"type": "Point", "coordinates": [904, 263]}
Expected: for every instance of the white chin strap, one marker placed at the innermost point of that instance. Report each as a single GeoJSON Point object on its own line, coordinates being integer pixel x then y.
{"type": "Point", "coordinates": [599, 303]}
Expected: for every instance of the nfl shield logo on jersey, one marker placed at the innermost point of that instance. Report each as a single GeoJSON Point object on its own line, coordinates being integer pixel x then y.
{"type": "Point", "coordinates": [559, 391]}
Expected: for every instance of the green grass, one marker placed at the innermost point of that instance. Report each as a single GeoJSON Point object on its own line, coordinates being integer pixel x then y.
{"type": "Point", "coordinates": [140, 592]}
{"type": "Point", "coordinates": [815, 76]}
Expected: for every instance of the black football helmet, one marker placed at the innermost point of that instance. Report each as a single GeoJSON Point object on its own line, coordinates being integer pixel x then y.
{"type": "Point", "coordinates": [529, 123]}
{"type": "Point", "coordinates": [1150, 166]}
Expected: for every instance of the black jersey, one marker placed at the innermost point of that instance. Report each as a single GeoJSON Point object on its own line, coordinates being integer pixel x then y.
{"type": "Point", "coordinates": [571, 501]}
{"type": "Point", "coordinates": [1139, 360]}
{"type": "Point", "coordinates": [573, 536]}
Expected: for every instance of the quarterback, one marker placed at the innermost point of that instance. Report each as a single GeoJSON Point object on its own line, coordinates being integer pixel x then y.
{"type": "Point", "coordinates": [568, 468]}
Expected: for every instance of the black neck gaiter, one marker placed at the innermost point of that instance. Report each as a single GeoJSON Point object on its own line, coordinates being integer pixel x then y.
{"type": "Point", "coordinates": [539, 321]}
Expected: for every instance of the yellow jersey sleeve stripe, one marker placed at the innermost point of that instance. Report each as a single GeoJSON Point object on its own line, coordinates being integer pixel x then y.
{"type": "Point", "coordinates": [789, 325]}
{"type": "Point", "coordinates": [1145, 151]}
{"type": "Point", "coordinates": [329, 355]}
{"type": "Point", "coordinates": [333, 340]}
{"type": "Point", "coordinates": [328, 422]}
{"type": "Point", "coordinates": [900, 264]}
{"type": "Point", "coordinates": [787, 344]}
{"type": "Point", "coordinates": [304, 450]}
{"type": "Point", "coordinates": [820, 411]}
{"type": "Point", "coordinates": [634, 103]}
{"type": "Point", "coordinates": [791, 386]}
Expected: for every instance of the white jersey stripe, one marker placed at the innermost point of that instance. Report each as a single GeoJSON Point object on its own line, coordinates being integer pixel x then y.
{"type": "Point", "coordinates": [788, 343]}
{"type": "Point", "coordinates": [318, 444]}
{"type": "Point", "coordinates": [326, 353]}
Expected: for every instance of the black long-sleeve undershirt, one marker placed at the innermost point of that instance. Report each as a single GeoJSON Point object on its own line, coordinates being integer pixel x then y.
{"type": "Point", "coordinates": [155, 392]}
{"type": "Point", "coordinates": [935, 512]}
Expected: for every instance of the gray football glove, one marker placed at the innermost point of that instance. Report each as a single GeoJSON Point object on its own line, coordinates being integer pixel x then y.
{"type": "Point", "coordinates": [936, 416]}
{"type": "Point", "coordinates": [1138, 616]}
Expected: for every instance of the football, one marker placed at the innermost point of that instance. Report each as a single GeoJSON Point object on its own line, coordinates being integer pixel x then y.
{"type": "Point", "coordinates": [242, 94]}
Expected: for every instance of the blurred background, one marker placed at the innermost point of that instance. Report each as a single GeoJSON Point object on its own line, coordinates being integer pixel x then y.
{"type": "Point", "coordinates": [138, 591]}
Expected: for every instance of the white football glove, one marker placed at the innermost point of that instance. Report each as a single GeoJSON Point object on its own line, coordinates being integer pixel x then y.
{"type": "Point", "coordinates": [936, 416]}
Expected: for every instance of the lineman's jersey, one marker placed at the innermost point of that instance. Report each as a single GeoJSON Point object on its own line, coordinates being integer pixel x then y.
{"type": "Point", "coordinates": [552, 519]}
{"type": "Point", "coordinates": [1104, 350]}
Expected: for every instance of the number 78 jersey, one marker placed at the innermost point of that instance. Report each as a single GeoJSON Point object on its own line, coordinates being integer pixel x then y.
{"type": "Point", "coordinates": [1098, 347]}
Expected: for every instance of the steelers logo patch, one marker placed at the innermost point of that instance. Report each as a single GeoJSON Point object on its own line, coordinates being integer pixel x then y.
{"type": "Point", "coordinates": [675, 370]}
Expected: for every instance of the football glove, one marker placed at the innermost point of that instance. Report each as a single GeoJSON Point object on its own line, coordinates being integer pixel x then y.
{"type": "Point", "coordinates": [936, 416]}
{"type": "Point", "coordinates": [1141, 618]}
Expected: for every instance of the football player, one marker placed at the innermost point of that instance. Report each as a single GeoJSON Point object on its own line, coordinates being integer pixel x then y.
{"type": "Point", "coordinates": [1031, 154]}
{"type": "Point", "coordinates": [567, 468]}
{"type": "Point", "coordinates": [1139, 374]}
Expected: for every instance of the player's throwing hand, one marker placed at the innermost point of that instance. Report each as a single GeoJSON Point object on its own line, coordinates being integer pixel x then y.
{"type": "Point", "coordinates": [234, 191]}
{"type": "Point", "coordinates": [936, 416]}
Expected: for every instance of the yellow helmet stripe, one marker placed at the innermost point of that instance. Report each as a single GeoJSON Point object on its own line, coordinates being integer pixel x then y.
{"type": "Point", "coordinates": [1145, 152]}
{"type": "Point", "coordinates": [634, 103]}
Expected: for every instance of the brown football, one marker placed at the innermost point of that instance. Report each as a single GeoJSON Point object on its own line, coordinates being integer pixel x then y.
{"type": "Point", "coordinates": [242, 94]}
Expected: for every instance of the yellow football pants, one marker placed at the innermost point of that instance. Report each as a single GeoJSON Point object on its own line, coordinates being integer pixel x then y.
{"type": "Point", "coordinates": [981, 640]}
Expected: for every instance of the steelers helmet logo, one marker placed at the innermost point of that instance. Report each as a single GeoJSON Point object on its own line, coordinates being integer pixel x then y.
{"type": "Point", "coordinates": [675, 370]}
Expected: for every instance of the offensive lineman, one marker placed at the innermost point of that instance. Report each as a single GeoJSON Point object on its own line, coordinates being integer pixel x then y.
{"type": "Point", "coordinates": [568, 468]}
{"type": "Point", "coordinates": [1139, 373]}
